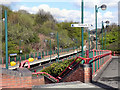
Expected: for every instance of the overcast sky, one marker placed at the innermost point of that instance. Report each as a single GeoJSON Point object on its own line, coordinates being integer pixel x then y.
{"type": "Point", "coordinates": [69, 10]}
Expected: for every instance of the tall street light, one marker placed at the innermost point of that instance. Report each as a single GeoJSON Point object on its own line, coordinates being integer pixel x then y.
{"type": "Point", "coordinates": [82, 28]}
{"type": "Point", "coordinates": [107, 22]}
{"type": "Point", "coordinates": [103, 7]}
{"type": "Point", "coordinates": [58, 46]}
{"type": "Point", "coordinates": [51, 35]}
{"type": "Point", "coordinates": [20, 51]}
{"type": "Point", "coordinates": [6, 39]}
{"type": "Point", "coordinates": [89, 39]}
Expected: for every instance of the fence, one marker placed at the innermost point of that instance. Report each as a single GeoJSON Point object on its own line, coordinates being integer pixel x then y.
{"type": "Point", "coordinates": [41, 54]}
{"type": "Point", "coordinates": [94, 61]}
{"type": "Point", "coordinates": [99, 58]}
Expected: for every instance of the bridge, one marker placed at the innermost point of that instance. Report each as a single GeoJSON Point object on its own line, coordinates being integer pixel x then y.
{"type": "Point", "coordinates": [99, 68]}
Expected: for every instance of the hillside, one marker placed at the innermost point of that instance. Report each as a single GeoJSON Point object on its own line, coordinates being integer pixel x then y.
{"type": "Point", "coordinates": [29, 32]}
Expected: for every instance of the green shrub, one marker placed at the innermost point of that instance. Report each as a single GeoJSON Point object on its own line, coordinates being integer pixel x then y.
{"type": "Point", "coordinates": [56, 68]}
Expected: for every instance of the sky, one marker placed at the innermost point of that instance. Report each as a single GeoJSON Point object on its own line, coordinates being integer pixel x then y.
{"type": "Point", "coordinates": [69, 10]}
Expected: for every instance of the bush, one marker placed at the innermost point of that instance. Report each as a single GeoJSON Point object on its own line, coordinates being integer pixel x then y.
{"type": "Point", "coordinates": [56, 68]}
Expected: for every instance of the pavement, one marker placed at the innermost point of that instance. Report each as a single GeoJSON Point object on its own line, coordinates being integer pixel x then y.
{"type": "Point", "coordinates": [76, 84]}
{"type": "Point", "coordinates": [110, 77]}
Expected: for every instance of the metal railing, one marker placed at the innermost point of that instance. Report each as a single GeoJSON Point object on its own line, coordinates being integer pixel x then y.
{"type": "Point", "coordinates": [41, 54]}
{"type": "Point", "coordinates": [97, 58]}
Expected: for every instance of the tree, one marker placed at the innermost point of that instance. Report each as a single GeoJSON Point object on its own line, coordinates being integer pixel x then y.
{"type": "Point", "coordinates": [43, 16]}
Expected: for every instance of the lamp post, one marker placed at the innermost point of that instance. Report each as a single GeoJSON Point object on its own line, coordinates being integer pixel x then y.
{"type": "Point", "coordinates": [89, 39]}
{"type": "Point", "coordinates": [75, 40]}
{"type": "Point", "coordinates": [102, 34]}
{"type": "Point", "coordinates": [20, 51]}
{"type": "Point", "coordinates": [58, 46]}
{"type": "Point", "coordinates": [103, 7]}
{"type": "Point", "coordinates": [107, 22]}
{"type": "Point", "coordinates": [82, 28]}
{"type": "Point", "coordinates": [105, 39]}
{"type": "Point", "coordinates": [51, 35]}
{"type": "Point", "coordinates": [50, 51]}
{"type": "Point", "coordinates": [6, 39]}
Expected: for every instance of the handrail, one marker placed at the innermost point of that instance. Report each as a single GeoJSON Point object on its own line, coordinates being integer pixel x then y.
{"type": "Point", "coordinates": [67, 67]}
{"type": "Point", "coordinates": [85, 59]}
{"type": "Point", "coordinates": [69, 70]}
{"type": "Point", "coordinates": [46, 74]}
{"type": "Point", "coordinates": [23, 63]}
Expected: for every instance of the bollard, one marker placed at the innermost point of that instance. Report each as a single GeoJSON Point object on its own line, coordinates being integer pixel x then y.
{"type": "Point", "coordinates": [87, 73]}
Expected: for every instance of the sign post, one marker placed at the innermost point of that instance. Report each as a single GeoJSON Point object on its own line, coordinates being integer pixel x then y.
{"type": "Point", "coordinates": [82, 26]}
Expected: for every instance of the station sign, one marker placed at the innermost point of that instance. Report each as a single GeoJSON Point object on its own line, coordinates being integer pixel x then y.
{"type": "Point", "coordinates": [81, 25]}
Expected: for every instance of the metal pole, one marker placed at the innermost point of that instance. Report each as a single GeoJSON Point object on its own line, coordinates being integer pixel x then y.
{"type": "Point", "coordinates": [19, 50]}
{"type": "Point", "coordinates": [50, 51]}
{"type": "Point", "coordinates": [89, 39]}
{"type": "Point", "coordinates": [58, 45]}
{"type": "Point", "coordinates": [96, 11]}
{"type": "Point", "coordinates": [6, 39]}
{"type": "Point", "coordinates": [102, 35]}
{"type": "Point", "coordinates": [105, 39]}
{"type": "Point", "coordinates": [82, 18]}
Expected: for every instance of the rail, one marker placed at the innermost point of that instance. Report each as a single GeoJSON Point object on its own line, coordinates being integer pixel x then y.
{"type": "Point", "coordinates": [36, 73]}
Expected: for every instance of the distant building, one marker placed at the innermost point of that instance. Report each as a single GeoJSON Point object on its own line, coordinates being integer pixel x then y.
{"type": "Point", "coordinates": [119, 13]}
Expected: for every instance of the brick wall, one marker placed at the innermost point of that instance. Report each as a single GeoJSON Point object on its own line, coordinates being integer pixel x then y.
{"type": "Point", "coordinates": [38, 80]}
{"type": "Point", "coordinates": [75, 75]}
{"type": "Point", "coordinates": [16, 79]}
